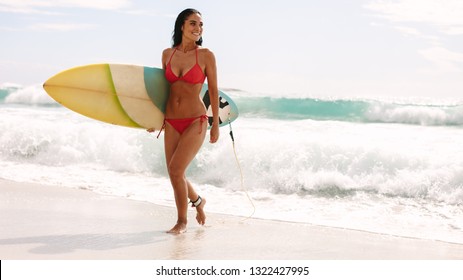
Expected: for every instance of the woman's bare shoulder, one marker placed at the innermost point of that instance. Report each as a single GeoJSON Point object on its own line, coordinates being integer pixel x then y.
{"type": "Point", "coordinates": [166, 54]}
{"type": "Point", "coordinates": [207, 53]}
{"type": "Point", "coordinates": [167, 51]}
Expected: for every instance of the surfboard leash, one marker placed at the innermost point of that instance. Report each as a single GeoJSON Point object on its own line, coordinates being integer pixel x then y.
{"type": "Point", "coordinates": [243, 188]}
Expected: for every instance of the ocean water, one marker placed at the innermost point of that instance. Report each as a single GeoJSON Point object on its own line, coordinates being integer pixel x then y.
{"type": "Point", "coordinates": [385, 166]}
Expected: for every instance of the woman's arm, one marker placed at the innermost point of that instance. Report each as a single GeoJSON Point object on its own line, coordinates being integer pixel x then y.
{"type": "Point", "coordinates": [211, 73]}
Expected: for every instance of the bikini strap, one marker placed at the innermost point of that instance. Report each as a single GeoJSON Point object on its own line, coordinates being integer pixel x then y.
{"type": "Point", "coordinates": [202, 119]}
{"type": "Point", "coordinates": [172, 55]}
{"type": "Point", "coordinates": [175, 49]}
{"type": "Point", "coordinates": [162, 127]}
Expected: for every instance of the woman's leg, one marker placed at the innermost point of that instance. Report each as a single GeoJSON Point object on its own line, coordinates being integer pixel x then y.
{"type": "Point", "coordinates": [171, 139]}
{"type": "Point", "coordinates": [180, 151]}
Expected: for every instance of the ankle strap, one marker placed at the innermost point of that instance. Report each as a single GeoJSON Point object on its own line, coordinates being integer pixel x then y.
{"type": "Point", "coordinates": [197, 202]}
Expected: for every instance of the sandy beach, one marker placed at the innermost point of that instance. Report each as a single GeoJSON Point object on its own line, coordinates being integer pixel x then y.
{"type": "Point", "coordinates": [48, 222]}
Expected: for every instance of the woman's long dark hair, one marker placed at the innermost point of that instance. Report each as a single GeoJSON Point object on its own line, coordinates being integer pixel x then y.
{"type": "Point", "coordinates": [177, 35]}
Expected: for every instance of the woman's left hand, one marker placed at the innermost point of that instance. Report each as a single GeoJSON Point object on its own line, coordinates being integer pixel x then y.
{"type": "Point", "coordinates": [215, 132]}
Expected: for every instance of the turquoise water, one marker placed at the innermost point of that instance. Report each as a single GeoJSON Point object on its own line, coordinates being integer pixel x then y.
{"type": "Point", "coordinates": [351, 110]}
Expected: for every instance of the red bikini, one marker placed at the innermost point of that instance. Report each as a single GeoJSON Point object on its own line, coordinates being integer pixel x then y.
{"type": "Point", "coordinates": [193, 76]}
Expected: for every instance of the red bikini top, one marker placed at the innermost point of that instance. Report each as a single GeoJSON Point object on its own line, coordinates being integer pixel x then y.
{"type": "Point", "coordinates": [194, 76]}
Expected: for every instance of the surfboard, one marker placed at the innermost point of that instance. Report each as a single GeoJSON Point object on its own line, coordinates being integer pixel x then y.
{"type": "Point", "coordinates": [125, 95]}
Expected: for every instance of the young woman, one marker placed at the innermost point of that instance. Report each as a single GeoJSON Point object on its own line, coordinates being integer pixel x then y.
{"type": "Point", "coordinates": [186, 66]}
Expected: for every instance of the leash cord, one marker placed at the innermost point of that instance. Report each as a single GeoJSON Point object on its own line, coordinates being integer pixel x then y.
{"type": "Point", "coordinates": [243, 188]}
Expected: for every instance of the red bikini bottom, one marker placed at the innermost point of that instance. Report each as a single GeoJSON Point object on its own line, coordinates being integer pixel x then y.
{"type": "Point", "coordinates": [182, 124]}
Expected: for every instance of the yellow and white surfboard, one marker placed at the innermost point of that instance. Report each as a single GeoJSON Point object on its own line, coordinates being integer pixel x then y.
{"type": "Point", "coordinates": [120, 94]}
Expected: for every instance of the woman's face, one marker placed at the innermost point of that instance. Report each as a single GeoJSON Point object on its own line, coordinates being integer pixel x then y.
{"type": "Point", "coordinates": [193, 27]}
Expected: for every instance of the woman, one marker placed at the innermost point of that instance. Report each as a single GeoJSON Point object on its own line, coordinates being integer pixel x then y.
{"type": "Point", "coordinates": [186, 66]}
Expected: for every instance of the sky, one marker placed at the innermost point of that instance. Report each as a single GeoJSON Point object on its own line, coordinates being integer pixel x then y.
{"type": "Point", "coordinates": [323, 48]}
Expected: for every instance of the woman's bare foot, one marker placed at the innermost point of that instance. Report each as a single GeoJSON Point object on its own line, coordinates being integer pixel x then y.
{"type": "Point", "coordinates": [200, 215]}
{"type": "Point", "coordinates": [179, 228]}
